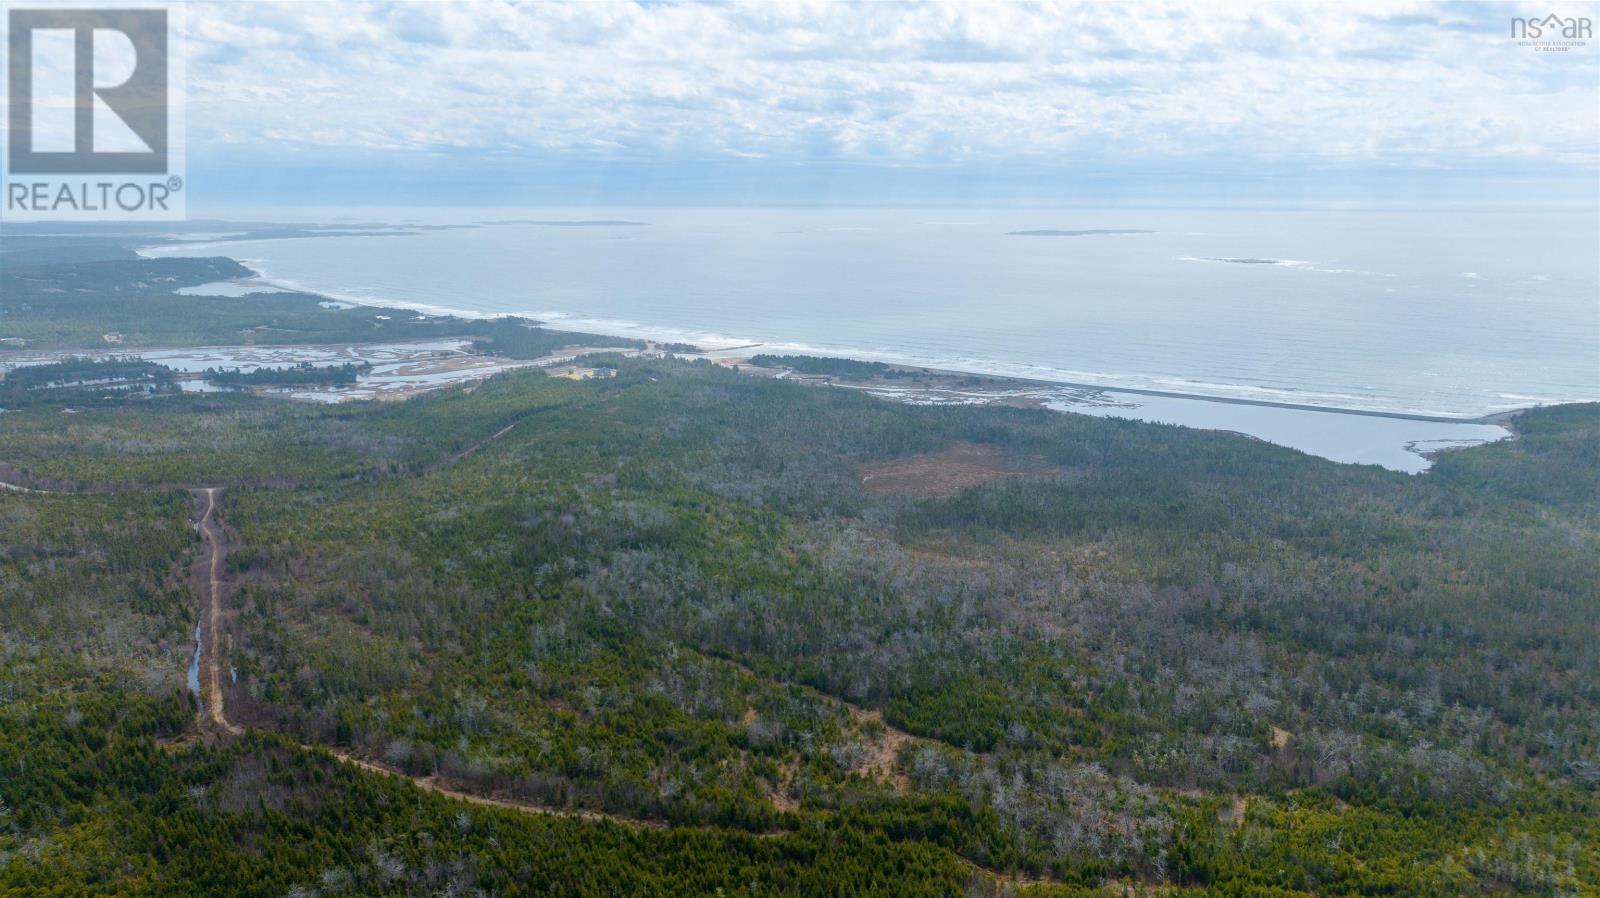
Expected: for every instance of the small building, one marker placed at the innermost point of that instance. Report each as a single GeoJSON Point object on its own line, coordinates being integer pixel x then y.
{"type": "Point", "coordinates": [113, 338]}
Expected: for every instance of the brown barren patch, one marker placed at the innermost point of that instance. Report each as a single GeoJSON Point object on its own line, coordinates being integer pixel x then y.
{"type": "Point", "coordinates": [885, 750]}
{"type": "Point", "coordinates": [945, 473]}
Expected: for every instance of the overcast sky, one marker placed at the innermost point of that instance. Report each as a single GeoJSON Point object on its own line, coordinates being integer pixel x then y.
{"type": "Point", "coordinates": [826, 102]}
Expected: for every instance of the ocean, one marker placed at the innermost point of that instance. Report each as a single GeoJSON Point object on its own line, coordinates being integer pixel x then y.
{"type": "Point", "coordinates": [1454, 313]}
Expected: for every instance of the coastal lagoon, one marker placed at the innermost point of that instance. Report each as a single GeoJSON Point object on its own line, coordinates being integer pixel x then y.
{"type": "Point", "coordinates": [1456, 313]}
{"type": "Point", "coordinates": [1396, 442]}
{"type": "Point", "coordinates": [1401, 444]}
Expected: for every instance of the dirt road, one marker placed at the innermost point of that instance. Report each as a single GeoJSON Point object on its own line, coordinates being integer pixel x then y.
{"type": "Point", "coordinates": [213, 716]}
{"type": "Point", "coordinates": [211, 646]}
{"type": "Point", "coordinates": [214, 711]}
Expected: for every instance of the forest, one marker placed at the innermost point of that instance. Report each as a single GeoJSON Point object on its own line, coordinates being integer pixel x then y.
{"type": "Point", "coordinates": [84, 379]}
{"type": "Point", "coordinates": [661, 619]}
{"type": "Point", "coordinates": [806, 364]}
{"type": "Point", "coordinates": [517, 338]}
{"type": "Point", "coordinates": [302, 374]}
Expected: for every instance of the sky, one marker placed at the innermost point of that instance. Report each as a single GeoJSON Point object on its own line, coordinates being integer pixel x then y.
{"type": "Point", "coordinates": [785, 103]}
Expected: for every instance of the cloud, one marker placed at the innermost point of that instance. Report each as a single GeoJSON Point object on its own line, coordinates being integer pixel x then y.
{"type": "Point", "coordinates": [1407, 85]}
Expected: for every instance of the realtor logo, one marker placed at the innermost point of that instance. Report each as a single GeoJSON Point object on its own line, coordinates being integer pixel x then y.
{"type": "Point", "coordinates": [101, 95]}
{"type": "Point", "coordinates": [93, 111]}
{"type": "Point", "coordinates": [1553, 34]}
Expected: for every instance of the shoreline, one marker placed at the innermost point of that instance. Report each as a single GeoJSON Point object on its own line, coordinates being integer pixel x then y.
{"type": "Point", "coordinates": [557, 321]}
{"type": "Point", "coordinates": [1400, 443]}
{"type": "Point", "coordinates": [708, 345]}
{"type": "Point", "coordinates": [1501, 418]}
{"type": "Point", "coordinates": [1399, 440]}
{"type": "Point", "coordinates": [1196, 397]}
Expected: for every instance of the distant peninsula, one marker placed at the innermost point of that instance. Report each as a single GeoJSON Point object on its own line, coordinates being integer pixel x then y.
{"type": "Point", "coordinates": [573, 223]}
{"type": "Point", "coordinates": [1093, 232]}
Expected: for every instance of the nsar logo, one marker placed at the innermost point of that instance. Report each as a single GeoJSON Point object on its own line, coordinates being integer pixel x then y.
{"type": "Point", "coordinates": [1553, 33]}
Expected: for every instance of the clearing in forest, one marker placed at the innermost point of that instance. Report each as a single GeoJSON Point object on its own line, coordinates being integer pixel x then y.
{"type": "Point", "coordinates": [960, 466]}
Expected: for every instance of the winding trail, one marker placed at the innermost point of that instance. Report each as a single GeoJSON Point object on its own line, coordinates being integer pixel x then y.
{"type": "Point", "coordinates": [213, 713]}
{"type": "Point", "coordinates": [431, 784]}
{"type": "Point", "coordinates": [212, 716]}
{"type": "Point", "coordinates": [211, 645]}
{"type": "Point", "coordinates": [214, 708]}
